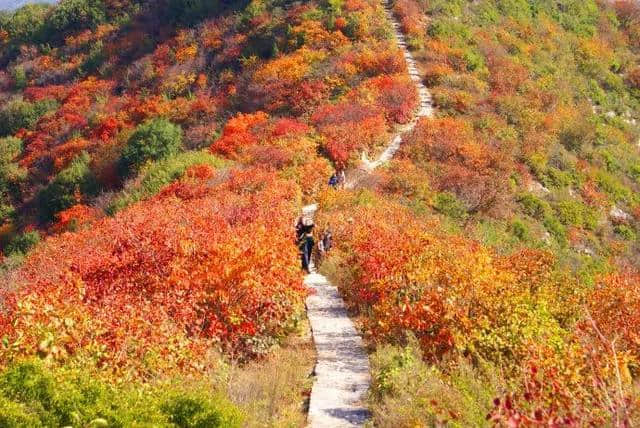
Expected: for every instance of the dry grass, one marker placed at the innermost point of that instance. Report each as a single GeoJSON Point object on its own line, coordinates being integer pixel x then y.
{"type": "Point", "coordinates": [274, 392]}
{"type": "Point", "coordinates": [408, 392]}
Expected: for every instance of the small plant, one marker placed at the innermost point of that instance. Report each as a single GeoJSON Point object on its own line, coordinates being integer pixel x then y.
{"type": "Point", "coordinates": [625, 232]}
{"type": "Point", "coordinates": [22, 243]}
{"type": "Point", "coordinates": [447, 204]}
{"type": "Point", "coordinates": [520, 230]}
{"type": "Point", "coordinates": [534, 206]}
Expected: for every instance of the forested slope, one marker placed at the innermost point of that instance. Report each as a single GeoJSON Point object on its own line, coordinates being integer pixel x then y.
{"type": "Point", "coordinates": [155, 155]}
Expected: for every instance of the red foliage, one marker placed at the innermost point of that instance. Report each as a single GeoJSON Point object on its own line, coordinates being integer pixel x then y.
{"type": "Point", "coordinates": [615, 307]}
{"type": "Point", "coordinates": [198, 262]}
{"type": "Point", "coordinates": [349, 128]}
{"type": "Point", "coordinates": [238, 132]}
{"type": "Point", "coordinates": [396, 95]}
{"type": "Point", "coordinates": [634, 78]}
{"type": "Point", "coordinates": [474, 172]}
{"type": "Point", "coordinates": [75, 217]}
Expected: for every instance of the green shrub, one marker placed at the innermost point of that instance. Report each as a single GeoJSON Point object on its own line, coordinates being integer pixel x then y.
{"type": "Point", "coordinates": [520, 229]}
{"type": "Point", "coordinates": [76, 15]}
{"type": "Point", "coordinates": [16, 415]}
{"type": "Point", "coordinates": [62, 192]}
{"type": "Point", "coordinates": [19, 114]}
{"type": "Point", "coordinates": [447, 204]}
{"type": "Point", "coordinates": [200, 412]}
{"type": "Point", "coordinates": [534, 206]}
{"type": "Point", "coordinates": [10, 148]}
{"type": "Point", "coordinates": [578, 16]}
{"type": "Point", "coordinates": [20, 78]}
{"type": "Point", "coordinates": [153, 140]}
{"type": "Point", "coordinates": [22, 243]}
{"type": "Point", "coordinates": [449, 29]}
{"type": "Point", "coordinates": [576, 214]}
{"type": "Point", "coordinates": [406, 389]}
{"type": "Point", "coordinates": [625, 232]}
{"type": "Point", "coordinates": [33, 395]}
{"type": "Point", "coordinates": [634, 171]}
{"type": "Point", "coordinates": [158, 174]}
{"type": "Point", "coordinates": [11, 174]}
{"type": "Point", "coordinates": [95, 58]}
{"type": "Point", "coordinates": [191, 11]}
{"type": "Point", "coordinates": [557, 230]}
{"type": "Point", "coordinates": [612, 186]}
{"type": "Point", "coordinates": [26, 24]}
{"type": "Point", "coordinates": [558, 178]}
{"type": "Point", "coordinates": [518, 9]}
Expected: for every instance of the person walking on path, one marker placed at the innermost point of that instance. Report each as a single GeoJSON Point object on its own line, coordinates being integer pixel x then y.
{"type": "Point", "coordinates": [342, 179]}
{"type": "Point", "coordinates": [324, 244]}
{"type": "Point", "coordinates": [334, 180]}
{"type": "Point", "coordinates": [327, 239]}
{"type": "Point", "coordinates": [304, 234]}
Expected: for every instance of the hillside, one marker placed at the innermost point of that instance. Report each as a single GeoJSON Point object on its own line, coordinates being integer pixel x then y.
{"type": "Point", "coordinates": [155, 156]}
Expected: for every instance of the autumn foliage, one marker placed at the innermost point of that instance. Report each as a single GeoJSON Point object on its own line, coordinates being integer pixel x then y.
{"type": "Point", "coordinates": [150, 288]}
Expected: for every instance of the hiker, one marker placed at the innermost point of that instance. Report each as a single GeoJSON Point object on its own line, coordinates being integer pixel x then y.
{"type": "Point", "coordinates": [327, 240]}
{"type": "Point", "coordinates": [306, 242]}
{"type": "Point", "coordinates": [298, 227]}
{"type": "Point", "coordinates": [324, 243]}
{"type": "Point", "coordinates": [333, 181]}
{"type": "Point", "coordinates": [342, 179]}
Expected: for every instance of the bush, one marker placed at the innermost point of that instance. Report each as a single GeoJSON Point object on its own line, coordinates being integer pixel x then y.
{"type": "Point", "coordinates": [160, 173]}
{"type": "Point", "coordinates": [32, 395]}
{"type": "Point", "coordinates": [534, 206]}
{"type": "Point", "coordinates": [153, 140]}
{"type": "Point", "coordinates": [520, 230]}
{"type": "Point", "coordinates": [557, 230]}
{"type": "Point", "coordinates": [75, 15]}
{"type": "Point", "coordinates": [200, 412]}
{"type": "Point", "coordinates": [95, 58]}
{"type": "Point", "coordinates": [20, 78]}
{"type": "Point", "coordinates": [612, 186]}
{"type": "Point", "coordinates": [25, 25]}
{"type": "Point", "coordinates": [447, 204]}
{"type": "Point", "coordinates": [406, 389]}
{"type": "Point", "coordinates": [71, 183]}
{"type": "Point", "coordinates": [10, 174]}
{"type": "Point", "coordinates": [19, 114]}
{"type": "Point", "coordinates": [576, 214]}
{"type": "Point", "coordinates": [21, 244]}
{"type": "Point", "coordinates": [625, 232]}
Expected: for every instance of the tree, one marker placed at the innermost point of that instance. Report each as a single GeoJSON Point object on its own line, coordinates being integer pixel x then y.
{"type": "Point", "coordinates": [153, 140]}
{"type": "Point", "coordinates": [76, 15]}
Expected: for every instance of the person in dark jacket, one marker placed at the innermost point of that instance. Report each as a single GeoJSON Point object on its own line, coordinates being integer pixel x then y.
{"type": "Point", "coordinates": [306, 242]}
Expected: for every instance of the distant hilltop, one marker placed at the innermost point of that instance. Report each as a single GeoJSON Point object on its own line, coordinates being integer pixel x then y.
{"type": "Point", "coordinates": [15, 4]}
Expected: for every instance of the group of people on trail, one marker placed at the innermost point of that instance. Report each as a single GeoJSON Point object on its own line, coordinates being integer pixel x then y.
{"type": "Point", "coordinates": [304, 230]}
{"type": "Point", "coordinates": [306, 242]}
{"type": "Point", "coordinates": [338, 179]}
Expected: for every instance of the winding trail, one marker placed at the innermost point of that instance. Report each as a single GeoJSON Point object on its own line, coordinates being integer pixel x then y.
{"type": "Point", "coordinates": [342, 374]}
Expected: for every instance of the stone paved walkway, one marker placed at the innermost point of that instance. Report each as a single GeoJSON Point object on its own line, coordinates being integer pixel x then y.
{"type": "Point", "coordinates": [342, 372]}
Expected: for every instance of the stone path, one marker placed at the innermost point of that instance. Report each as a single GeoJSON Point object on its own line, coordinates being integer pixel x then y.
{"type": "Point", "coordinates": [424, 97]}
{"type": "Point", "coordinates": [342, 372]}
